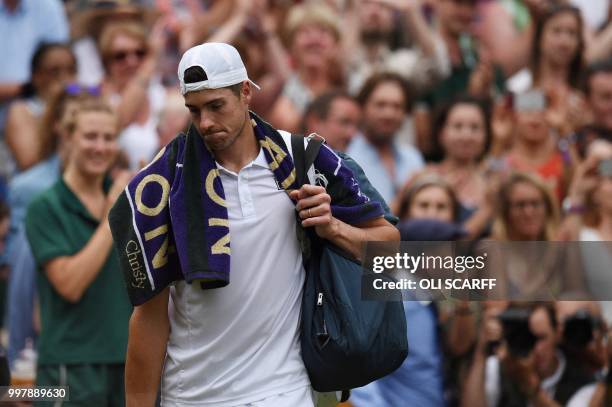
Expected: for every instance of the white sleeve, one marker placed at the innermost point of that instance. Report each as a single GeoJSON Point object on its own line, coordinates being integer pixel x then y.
{"type": "Point", "coordinates": [583, 396]}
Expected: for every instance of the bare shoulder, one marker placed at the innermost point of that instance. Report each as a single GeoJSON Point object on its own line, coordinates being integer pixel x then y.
{"type": "Point", "coordinates": [19, 111]}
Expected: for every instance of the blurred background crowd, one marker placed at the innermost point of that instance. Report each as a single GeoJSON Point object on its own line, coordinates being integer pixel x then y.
{"type": "Point", "coordinates": [472, 118]}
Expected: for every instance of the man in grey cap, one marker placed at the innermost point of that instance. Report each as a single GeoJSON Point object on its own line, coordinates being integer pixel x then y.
{"type": "Point", "coordinates": [234, 344]}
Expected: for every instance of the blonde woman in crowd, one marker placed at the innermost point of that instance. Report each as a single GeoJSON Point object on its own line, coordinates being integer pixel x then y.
{"type": "Point", "coordinates": [527, 212]}
{"type": "Point", "coordinates": [313, 39]}
{"type": "Point", "coordinates": [130, 58]}
{"type": "Point", "coordinates": [83, 303]}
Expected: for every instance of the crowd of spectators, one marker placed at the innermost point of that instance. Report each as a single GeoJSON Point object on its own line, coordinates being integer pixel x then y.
{"type": "Point", "coordinates": [474, 119]}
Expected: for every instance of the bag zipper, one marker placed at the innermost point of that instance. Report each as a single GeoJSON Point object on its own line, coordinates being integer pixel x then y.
{"type": "Point", "coordinates": [320, 299]}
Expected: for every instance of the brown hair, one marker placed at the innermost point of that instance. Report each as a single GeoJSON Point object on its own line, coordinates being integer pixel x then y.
{"type": "Point", "coordinates": [378, 79]}
{"type": "Point", "coordinates": [440, 119]}
{"type": "Point", "coordinates": [576, 65]}
{"type": "Point", "coordinates": [419, 183]}
{"type": "Point", "coordinates": [195, 74]}
{"type": "Point", "coordinates": [501, 226]}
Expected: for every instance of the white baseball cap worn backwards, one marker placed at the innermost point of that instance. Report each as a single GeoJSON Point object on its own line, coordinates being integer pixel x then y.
{"type": "Point", "coordinates": [221, 64]}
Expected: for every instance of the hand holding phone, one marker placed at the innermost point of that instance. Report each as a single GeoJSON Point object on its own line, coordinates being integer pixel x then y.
{"type": "Point", "coordinates": [530, 101]}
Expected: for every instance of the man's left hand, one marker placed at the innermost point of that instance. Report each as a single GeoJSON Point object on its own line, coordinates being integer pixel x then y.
{"type": "Point", "coordinates": [314, 208]}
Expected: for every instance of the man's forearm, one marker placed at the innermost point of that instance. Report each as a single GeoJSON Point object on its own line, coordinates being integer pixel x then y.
{"type": "Point", "coordinates": [149, 330]}
{"type": "Point", "coordinates": [417, 28]}
{"type": "Point", "coordinates": [473, 394]}
{"type": "Point", "coordinates": [600, 46]}
{"type": "Point", "coordinates": [351, 238]}
{"type": "Point", "coordinates": [71, 276]}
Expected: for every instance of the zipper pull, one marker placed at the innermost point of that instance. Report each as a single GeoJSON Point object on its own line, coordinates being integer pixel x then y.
{"type": "Point", "coordinates": [320, 299]}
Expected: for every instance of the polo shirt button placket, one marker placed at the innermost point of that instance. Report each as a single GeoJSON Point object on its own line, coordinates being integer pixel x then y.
{"type": "Point", "coordinates": [244, 192]}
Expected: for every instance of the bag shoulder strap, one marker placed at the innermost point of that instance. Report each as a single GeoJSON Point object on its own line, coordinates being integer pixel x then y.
{"type": "Point", "coordinates": [299, 159]}
{"type": "Point", "coordinates": [304, 158]}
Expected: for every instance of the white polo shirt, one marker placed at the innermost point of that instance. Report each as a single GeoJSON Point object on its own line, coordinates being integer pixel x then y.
{"type": "Point", "coordinates": [239, 344]}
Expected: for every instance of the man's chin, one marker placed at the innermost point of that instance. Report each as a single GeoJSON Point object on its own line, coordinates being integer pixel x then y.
{"type": "Point", "coordinates": [218, 143]}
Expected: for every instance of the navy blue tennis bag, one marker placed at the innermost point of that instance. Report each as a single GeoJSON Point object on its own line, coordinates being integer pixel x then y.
{"type": "Point", "coordinates": [346, 342]}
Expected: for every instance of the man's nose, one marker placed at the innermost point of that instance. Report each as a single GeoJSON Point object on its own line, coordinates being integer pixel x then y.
{"type": "Point", "coordinates": [205, 123]}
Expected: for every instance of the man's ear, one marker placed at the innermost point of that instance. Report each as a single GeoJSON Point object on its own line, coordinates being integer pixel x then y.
{"type": "Point", "coordinates": [246, 91]}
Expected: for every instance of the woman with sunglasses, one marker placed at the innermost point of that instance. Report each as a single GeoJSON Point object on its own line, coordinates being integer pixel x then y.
{"type": "Point", "coordinates": [130, 60]}
{"type": "Point", "coordinates": [53, 65]}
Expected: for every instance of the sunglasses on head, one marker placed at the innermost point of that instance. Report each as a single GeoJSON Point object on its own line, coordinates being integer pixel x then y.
{"type": "Point", "coordinates": [121, 56]}
{"type": "Point", "coordinates": [74, 89]}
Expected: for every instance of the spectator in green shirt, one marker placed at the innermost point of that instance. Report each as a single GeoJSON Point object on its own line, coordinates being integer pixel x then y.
{"type": "Point", "coordinates": [84, 308]}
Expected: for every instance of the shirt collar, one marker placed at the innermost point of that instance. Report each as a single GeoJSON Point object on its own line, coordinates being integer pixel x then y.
{"type": "Point", "coordinates": [72, 201]}
{"type": "Point", "coordinates": [259, 161]}
{"type": "Point", "coordinates": [370, 146]}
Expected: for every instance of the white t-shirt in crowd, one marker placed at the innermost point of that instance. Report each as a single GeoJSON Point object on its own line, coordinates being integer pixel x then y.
{"type": "Point", "coordinates": [239, 345]}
